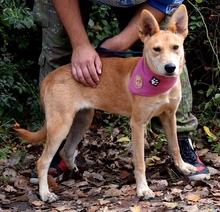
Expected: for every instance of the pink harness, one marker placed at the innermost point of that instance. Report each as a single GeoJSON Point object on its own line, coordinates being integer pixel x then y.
{"type": "Point", "coordinates": [145, 83]}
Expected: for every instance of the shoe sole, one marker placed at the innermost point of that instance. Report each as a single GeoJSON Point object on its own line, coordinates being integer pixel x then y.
{"type": "Point", "coordinates": [200, 177]}
{"type": "Point", "coordinates": [36, 181]}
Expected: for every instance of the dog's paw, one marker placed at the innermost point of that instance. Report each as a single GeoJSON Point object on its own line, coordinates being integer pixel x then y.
{"type": "Point", "coordinates": [49, 197]}
{"type": "Point", "coordinates": [187, 169]}
{"type": "Point", "coordinates": [144, 192]}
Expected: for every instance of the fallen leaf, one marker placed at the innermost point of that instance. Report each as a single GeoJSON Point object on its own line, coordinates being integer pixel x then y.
{"type": "Point", "coordinates": [14, 160]}
{"type": "Point", "coordinates": [213, 171]}
{"type": "Point", "coordinates": [103, 202]}
{"type": "Point", "coordinates": [81, 194]}
{"type": "Point", "coordinates": [93, 178]}
{"type": "Point", "coordinates": [70, 183]}
{"type": "Point", "coordinates": [195, 197]}
{"type": "Point", "coordinates": [20, 183]}
{"type": "Point", "coordinates": [124, 175]}
{"type": "Point", "coordinates": [176, 191]}
{"type": "Point", "coordinates": [112, 192]}
{"type": "Point", "coordinates": [10, 173]}
{"type": "Point", "coordinates": [191, 208]}
{"type": "Point", "coordinates": [10, 189]}
{"type": "Point", "coordinates": [171, 204]}
{"type": "Point", "coordinates": [38, 203]}
{"type": "Point", "coordinates": [158, 193]}
{"type": "Point", "coordinates": [208, 132]}
{"type": "Point", "coordinates": [155, 158]}
{"type": "Point", "coordinates": [123, 139]}
{"type": "Point", "coordinates": [212, 183]}
{"type": "Point", "coordinates": [216, 193]}
{"type": "Point", "coordinates": [136, 208]}
{"type": "Point", "coordinates": [158, 185]}
{"type": "Point", "coordinates": [2, 196]}
{"type": "Point", "coordinates": [204, 192]}
{"type": "Point", "coordinates": [94, 191]}
{"type": "Point", "coordinates": [52, 183]}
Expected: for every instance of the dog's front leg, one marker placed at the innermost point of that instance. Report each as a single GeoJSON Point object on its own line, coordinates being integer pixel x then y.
{"type": "Point", "coordinates": [143, 190]}
{"type": "Point", "coordinates": [168, 121]}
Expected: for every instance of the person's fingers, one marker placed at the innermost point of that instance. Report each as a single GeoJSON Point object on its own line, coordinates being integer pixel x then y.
{"type": "Point", "coordinates": [98, 65]}
{"type": "Point", "coordinates": [78, 76]}
{"type": "Point", "coordinates": [89, 75]}
{"type": "Point", "coordinates": [86, 70]}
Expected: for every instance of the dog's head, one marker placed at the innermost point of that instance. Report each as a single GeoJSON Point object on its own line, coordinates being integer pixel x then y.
{"type": "Point", "coordinates": [163, 49]}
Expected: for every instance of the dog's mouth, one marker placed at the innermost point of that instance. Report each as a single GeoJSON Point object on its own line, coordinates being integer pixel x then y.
{"type": "Point", "coordinates": [170, 74]}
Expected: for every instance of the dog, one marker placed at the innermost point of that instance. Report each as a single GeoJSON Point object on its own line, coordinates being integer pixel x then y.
{"type": "Point", "coordinates": [69, 105]}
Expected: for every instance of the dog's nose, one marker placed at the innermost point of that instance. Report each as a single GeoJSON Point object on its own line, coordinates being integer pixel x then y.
{"type": "Point", "coordinates": [170, 68]}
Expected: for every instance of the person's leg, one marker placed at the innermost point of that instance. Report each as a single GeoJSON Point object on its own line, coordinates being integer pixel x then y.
{"type": "Point", "coordinates": [56, 47]}
{"type": "Point", "coordinates": [186, 121]}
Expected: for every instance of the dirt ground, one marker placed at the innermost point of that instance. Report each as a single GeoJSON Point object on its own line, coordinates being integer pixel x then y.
{"type": "Point", "coordinates": [105, 181]}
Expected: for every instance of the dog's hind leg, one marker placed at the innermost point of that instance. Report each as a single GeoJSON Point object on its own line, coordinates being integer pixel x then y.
{"type": "Point", "coordinates": [168, 121]}
{"type": "Point", "coordinates": [58, 126]}
{"type": "Point", "coordinates": [81, 123]}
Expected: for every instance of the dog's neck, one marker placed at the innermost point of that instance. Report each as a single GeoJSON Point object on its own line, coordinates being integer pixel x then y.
{"type": "Point", "coordinates": [146, 83]}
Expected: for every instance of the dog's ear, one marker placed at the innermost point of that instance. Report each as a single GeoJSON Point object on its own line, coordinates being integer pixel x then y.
{"type": "Point", "coordinates": [148, 25]}
{"type": "Point", "coordinates": [179, 21]}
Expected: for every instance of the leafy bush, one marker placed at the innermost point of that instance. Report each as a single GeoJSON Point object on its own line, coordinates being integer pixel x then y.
{"type": "Point", "coordinates": [204, 18]}
{"type": "Point", "coordinates": [202, 57]}
{"type": "Point", "coordinates": [19, 48]}
{"type": "Point", "coordinates": [18, 84]}
{"type": "Point", "coordinates": [102, 23]}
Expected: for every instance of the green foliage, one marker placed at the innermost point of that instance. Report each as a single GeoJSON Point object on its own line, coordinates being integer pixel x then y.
{"type": "Point", "coordinates": [19, 89]}
{"type": "Point", "coordinates": [4, 152]}
{"type": "Point", "coordinates": [204, 39]}
{"type": "Point", "coordinates": [102, 24]}
{"type": "Point", "coordinates": [15, 14]}
{"type": "Point", "coordinates": [116, 121]}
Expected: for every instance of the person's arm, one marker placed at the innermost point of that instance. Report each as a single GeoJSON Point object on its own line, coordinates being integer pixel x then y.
{"type": "Point", "coordinates": [86, 63]}
{"type": "Point", "coordinates": [126, 38]}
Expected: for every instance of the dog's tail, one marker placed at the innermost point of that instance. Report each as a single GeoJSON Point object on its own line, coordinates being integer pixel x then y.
{"type": "Point", "coordinates": [33, 137]}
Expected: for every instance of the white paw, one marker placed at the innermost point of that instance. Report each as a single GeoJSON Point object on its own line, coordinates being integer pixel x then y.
{"type": "Point", "coordinates": [49, 197]}
{"type": "Point", "coordinates": [145, 192]}
{"type": "Point", "coordinates": [187, 169]}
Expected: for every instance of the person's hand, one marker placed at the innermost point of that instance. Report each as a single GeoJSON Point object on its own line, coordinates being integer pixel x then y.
{"type": "Point", "coordinates": [86, 65]}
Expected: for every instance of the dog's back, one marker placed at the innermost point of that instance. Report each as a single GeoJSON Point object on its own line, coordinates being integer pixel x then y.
{"type": "Point", "coordinates": [112, 92]}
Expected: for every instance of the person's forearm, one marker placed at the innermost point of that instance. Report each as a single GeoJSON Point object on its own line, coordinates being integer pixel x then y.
{"type": "Point", "coordinates": [69, 13]}
{"type": "Point", "coordinates": [130, 33]}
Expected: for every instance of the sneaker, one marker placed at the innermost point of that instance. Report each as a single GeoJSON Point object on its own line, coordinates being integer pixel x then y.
{"type": "Point", "coordinates": [189, 156]}
{"type": "Point", "coordinates": [56, 173]}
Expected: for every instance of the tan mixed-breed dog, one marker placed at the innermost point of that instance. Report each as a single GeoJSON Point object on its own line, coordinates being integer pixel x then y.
{"type": "Point", "coordinates": [69, 105]}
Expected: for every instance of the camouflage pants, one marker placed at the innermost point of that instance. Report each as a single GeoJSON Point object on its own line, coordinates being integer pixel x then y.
{"type": "Point", "coordinates": [56, 51]}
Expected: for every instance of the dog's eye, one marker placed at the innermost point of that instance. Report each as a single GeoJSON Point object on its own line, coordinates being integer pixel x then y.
{"type": "Point", "coordinates": [157, 49]}
{"type": "Point", "coordinates": [175, 47]}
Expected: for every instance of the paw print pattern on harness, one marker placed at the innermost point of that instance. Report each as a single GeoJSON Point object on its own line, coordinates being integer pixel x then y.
{"type": "Point", "coordinates": [154, 81]}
